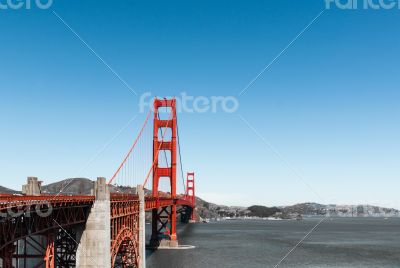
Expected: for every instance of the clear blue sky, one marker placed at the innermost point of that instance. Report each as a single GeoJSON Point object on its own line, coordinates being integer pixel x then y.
{"type": "Point", "coordinates": [328, 106]}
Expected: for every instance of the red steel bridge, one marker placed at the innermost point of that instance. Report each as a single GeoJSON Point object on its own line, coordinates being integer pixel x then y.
{"type": "Point", "coordinates": [104, 229]}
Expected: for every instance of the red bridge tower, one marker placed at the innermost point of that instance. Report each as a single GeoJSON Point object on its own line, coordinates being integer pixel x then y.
{"type": "Point", "coordinates": [190, 193]}
{"type": "Point", "coordinates": [164, 219]}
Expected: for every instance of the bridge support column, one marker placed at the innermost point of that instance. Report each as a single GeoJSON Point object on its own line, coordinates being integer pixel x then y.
{"type": "Point", "coordinates": [32, 187]}
{"type": "Point", "coordinates": [142, 226]}
{"type": "Point", "coordinates": [164, 228]}
{"type": "Point", "coordinates": [94, 249]}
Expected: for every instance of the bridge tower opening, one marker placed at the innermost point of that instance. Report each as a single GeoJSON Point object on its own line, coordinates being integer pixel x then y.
{"type": "Point", "coordinates": [164, 219]}
{"type": "Point", "coordinates": [190, 193]}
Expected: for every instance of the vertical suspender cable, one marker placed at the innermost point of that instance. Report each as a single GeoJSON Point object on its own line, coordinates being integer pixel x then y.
{"type": "Point", "coordinates": [180, 155]}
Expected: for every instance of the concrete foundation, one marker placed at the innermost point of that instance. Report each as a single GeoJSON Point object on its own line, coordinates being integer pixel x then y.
{"type": "Point", "coordinates": [168, 244]}
{"type": "Point", "coordinates": [94, 241]}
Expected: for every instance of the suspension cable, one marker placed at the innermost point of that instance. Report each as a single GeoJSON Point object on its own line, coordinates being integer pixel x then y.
{"type": "Point", "coordinates": [131, 149]}
{"type": "Point", "coordinates": [180, 155]}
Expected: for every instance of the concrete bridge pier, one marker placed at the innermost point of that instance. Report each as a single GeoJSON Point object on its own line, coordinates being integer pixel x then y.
{"type": "Point", "coordinates": [32, 187]}
{"type": "Point", "coordinates": [94, 241]}
{"type": "Point", "coordinates": [142, 226]}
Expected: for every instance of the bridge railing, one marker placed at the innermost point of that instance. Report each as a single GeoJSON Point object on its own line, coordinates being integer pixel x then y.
{"type": "Point", "coordinates": [7, 202]}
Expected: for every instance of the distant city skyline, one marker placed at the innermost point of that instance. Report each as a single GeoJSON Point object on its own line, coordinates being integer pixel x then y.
{"type": "Point", "coordinates": [291, 102]}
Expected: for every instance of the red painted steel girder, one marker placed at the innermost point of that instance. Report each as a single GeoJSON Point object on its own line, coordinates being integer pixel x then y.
{"type": "Point", "coordinates": [154, 203]}
{"type": "Point", "coordinates": [22, 224]}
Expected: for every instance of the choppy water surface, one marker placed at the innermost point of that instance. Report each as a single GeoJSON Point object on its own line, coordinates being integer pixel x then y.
{"type": "Point", "coordinates": [338, 242]}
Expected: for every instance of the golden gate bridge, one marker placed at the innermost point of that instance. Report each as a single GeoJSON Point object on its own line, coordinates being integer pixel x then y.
{"type": "Point", "coordinates": [105, 229]}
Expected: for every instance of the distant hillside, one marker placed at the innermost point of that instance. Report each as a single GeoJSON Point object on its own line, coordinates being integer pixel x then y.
{"type": "Point", "coordinates": [80, 186]}
{"type": "Point", "coordinates": [210, 210]}
{"type": "Point", "coordinates": [4, 190]}
{"type": "Point", "coordinates": [305, 209]}
{"type": "Point", "coordinates": [205, 209]}
{"type": "Point", "coordinates": [75, 186]}
{"type": "Point", "coordinates": [263, 212]}
{"type": "Point", "coordinates": [340, 210]}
